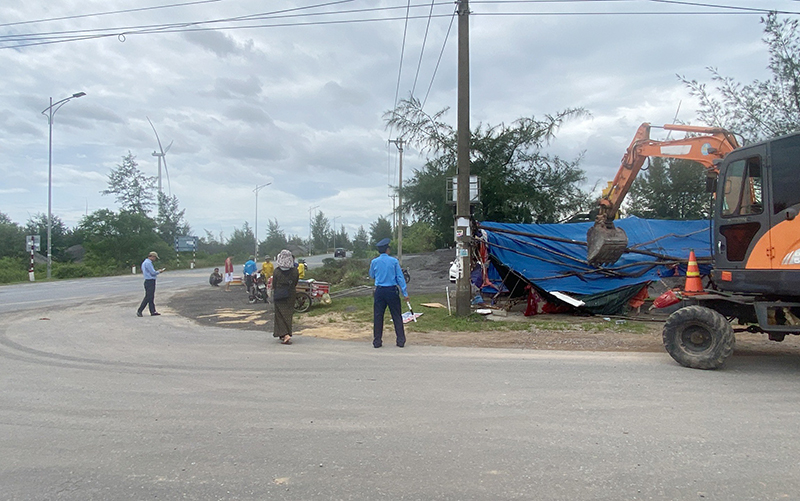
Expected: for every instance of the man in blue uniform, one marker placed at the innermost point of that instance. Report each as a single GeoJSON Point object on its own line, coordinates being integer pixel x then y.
{"type": "Point", "coordinates": [388, 277]}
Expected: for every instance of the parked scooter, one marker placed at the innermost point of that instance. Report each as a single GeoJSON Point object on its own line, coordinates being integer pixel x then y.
{"type": "Point", "coordinates": [258, 292]}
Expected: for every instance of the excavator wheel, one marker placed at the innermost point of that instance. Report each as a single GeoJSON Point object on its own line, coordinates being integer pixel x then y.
{"type": "Point", "coordinates": [605, 243]}
{"type": "Point", "coordinates": [698, 337]}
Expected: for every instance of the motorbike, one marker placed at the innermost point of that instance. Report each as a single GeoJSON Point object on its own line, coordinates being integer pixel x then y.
{"type": "Point", "coordinates": [258, 291]}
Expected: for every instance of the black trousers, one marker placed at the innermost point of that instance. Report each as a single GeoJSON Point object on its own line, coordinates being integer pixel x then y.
{"type": "Point", "coordinates": [149, 296]}
{"type": "Point", "coordinates": [387, 296]}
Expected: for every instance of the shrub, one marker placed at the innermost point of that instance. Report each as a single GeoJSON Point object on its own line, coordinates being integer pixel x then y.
{"type": "Point", "coordinates": [71, 270]}
{"type": "Point", "coordinates": [13, 269]}
{"type": "Point", "coordinates": [341, 271]}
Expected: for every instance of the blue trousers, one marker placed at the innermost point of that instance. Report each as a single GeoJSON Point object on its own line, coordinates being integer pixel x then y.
{"type": "Point", "coordinates": [149, 296]}
{"type": "Point", "coordinates": [387, 296]}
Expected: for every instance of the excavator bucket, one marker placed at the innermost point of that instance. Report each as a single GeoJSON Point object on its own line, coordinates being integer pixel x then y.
{"type": "Point", "coordinates": [605, 243]}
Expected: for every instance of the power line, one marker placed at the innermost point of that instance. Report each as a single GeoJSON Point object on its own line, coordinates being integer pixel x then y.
{"type": "Point", "coordinates": [122, 31]}
{"type": "Point", "coordinates": [422, 50]}
{"type": "Point", "coordinates": [33, 39]}
{"type": "Point", "coordinates": [109, 13]}
{"type": "Point", "coordinates": [438, 61]}
{"type": "Point", "coordinates": [402, 52]}
{"type": "Point", "coordinates": [278, 14]}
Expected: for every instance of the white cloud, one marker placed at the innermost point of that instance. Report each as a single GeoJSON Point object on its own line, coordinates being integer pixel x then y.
{"type": "Point", "coordinates": [302, 106]}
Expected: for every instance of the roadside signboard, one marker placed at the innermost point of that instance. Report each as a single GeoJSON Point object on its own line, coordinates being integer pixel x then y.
{"type": "Point", "coordinates": [185, 243]}
{"type": "Point", "coordinates": [33, 243]}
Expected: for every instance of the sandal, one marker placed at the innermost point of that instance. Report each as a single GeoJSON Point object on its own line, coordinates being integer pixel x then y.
{"type": "Point", "coordinates": [286, 340]}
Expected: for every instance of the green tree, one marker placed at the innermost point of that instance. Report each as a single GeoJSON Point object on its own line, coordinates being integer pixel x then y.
{"type": "Point", "coordinates": [211, 244]}
{"type": "Point", "coordinates": [419, 237]}
{"type": "Point", "coordinates": [520, 184]}
{"type": "Point", "coordinates": [360, 243]}
{"type": "Point", "coordinates": [320, 232]}
{"type": "Point", "coordinates": [342, 239]}
{"type": "Point", "coordinates": [296, 240]}
{"type": "Point", "coordinates": [763, 108]}
{"type": "Point", "coordinates": [242, 242]}
{"type": "Point", "coordinates": [379, 229]}
{"type": "Point", "coordinates": [169, 221]}
{"type": "Point", "coordinates": [132, 190]}
{"type": "Point", "coordinates": [61, 234]}
{"type": "Point", "coordinates": [12, 238]}
{"type": "Point", "coordinates": [276, 239]}
{"type": "Point", "coordinates": [670, 189]}
{"type": "Point", "coordinates": [120, 240]}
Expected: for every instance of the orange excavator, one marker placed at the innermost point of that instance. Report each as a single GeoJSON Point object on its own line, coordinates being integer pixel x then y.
{"type": "Point", "coordinates": [606, 243]}
{"type": "Point", "coordinates": [755, 277]}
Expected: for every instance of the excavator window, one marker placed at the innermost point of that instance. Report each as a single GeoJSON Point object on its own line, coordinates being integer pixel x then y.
{"type": "Point", "coordinates": [785, 165]}
{"type": "Point", "coordinates": [743, 188]}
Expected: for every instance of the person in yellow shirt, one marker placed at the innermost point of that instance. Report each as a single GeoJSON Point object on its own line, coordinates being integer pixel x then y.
{"type": "Point", "coordinates": [267, 268]}
{"type": "Point", "coordinates": [301, 269]}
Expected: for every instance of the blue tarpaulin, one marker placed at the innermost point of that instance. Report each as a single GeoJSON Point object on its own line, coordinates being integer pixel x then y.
{"type": "Point", "coordinates": [552, 257]}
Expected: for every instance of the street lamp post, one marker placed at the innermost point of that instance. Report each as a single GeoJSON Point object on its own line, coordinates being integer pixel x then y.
{"type": "Point", "coordinates": [50, 112]}
{"type": "Point", "coordinates": [310, 240]}
{"type": "Point", "coordinates": [255, 230]}
{"type": "Point", "coordinates": [334, 233]}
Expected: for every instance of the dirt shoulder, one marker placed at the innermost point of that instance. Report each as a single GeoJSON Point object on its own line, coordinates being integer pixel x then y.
{"type": "Point", "coordinates": [214, 306]}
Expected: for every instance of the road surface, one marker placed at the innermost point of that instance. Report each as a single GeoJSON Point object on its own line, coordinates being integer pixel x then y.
{"type": "Point", "coordinates": [97, 404]}
{"type": "Point", "coordinates": [41, 294]}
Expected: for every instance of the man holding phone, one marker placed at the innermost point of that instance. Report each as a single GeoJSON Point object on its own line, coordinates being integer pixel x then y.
{"type": "Point", "coordinates": [150, 273]}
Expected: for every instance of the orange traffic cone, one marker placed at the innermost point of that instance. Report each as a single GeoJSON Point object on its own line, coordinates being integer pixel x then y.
{"type": "Point", "coordinates": [693, 281]}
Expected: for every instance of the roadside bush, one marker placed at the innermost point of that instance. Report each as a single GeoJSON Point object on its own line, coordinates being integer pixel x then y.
{"type": "Point", "coordinates": [13, 270]}
{"type": "Point", "coordinates": [342, 271]}
{"type": "Point", "coordinates": [71, 270]}
{"type": "Point", "coordinates": [354, 279]}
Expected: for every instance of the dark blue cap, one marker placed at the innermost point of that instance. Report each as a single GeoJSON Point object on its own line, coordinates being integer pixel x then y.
{"type": "Point", "coordinates": [383, 243]}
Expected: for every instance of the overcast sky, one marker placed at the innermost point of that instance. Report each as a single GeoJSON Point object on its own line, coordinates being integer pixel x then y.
{"type": "Point", "coordinates": [298, 100]}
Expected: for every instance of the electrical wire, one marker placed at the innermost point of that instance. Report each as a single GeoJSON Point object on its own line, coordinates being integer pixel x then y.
{"type": "Point", "coordinates": [31, 39]}
{"type": "Point", "coordinates": [422, 50]}
{"type": "Point", "coordinates": [109, 13]}
{"type": "Point", "coordinates": [402, 52]}
{"type": "Point", "coordinates": [121, 32]}
{"type": "Point", "coordinates": [438, 61]}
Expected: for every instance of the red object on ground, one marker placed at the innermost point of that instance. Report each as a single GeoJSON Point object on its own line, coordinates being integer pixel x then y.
{"type": "Point", "coordinates": [638, 300]}
{"type": "Point", "coordinates": [666, 299]}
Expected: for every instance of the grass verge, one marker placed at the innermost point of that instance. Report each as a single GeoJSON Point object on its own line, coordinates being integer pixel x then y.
{"type": "Point", "coordinates": [359, 310]}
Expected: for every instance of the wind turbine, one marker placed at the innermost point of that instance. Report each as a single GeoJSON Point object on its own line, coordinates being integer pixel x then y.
{"type": "Point", "coordinates": [161, 154]}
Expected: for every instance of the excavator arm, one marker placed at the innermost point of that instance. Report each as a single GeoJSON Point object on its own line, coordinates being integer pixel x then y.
{"type": "Point", "coordinates": [605, 242]}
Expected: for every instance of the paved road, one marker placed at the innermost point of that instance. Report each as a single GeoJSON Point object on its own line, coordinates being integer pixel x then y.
{"type": "Point", "coordinates": [20, 297]}
{"type": "Point", "coordinates": [99, 404]}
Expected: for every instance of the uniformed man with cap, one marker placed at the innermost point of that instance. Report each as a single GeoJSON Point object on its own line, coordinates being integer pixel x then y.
{"type": "Point", "coordinates": [150, 273]}
{"type": "Point", "coordinates": [388, 277]}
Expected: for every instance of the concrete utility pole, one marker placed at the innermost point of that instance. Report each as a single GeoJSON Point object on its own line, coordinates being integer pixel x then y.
{"type": "Point", "coordinates": [399, 143]}
{"type": "Point", "coordinates": [462, 225]}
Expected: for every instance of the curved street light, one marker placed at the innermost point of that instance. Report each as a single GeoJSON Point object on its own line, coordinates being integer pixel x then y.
{"type": "Point", "coordinates": [255, 230]}
{"type": "Point", "coordinates": [334, 233]}
{"type": "Point", "coordinates": [49, 112]}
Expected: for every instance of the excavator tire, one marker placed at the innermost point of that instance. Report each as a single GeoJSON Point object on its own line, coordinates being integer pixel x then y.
{"type": "Point", "coordinates": [698, 337]}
